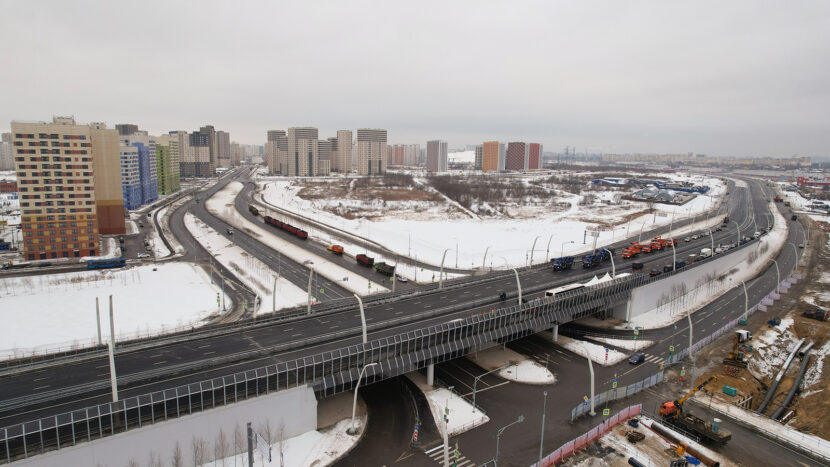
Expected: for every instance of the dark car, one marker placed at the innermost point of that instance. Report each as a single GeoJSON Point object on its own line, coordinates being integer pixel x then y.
{"type": "Point", "coordinates": [502, 295]}
{"type": "Point", "coordinates": [654, 272]}
{"type": "Point", "coordinates": [668, 268]}
{"type": "Point", "coordinates": [636, 266]}
{"type": "Point", "coordinates": [637, 358]}
{"type": "Point", "coordinates": [794, 217]}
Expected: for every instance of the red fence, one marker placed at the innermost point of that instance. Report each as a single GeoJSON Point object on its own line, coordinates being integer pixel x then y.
{"type": "Point", "coordinates": [595, 433]}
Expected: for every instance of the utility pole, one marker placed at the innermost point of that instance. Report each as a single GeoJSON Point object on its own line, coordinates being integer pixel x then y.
{"type": "Point", "coordinates": [98, 320]}
{"type": "Point", "coordinates": [310, 276]}
{"type": "Point", "coordinates": [542, 438]}
{"type": "Point", "coordinates": [113, 379]}
{"type": "Point", "coordinates": [274, 296]}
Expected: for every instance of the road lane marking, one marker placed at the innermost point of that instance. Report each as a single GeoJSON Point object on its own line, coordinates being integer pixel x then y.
{"type": "Point", "coordinates": [159, 363]}
{"type": "Point", "coordinates": [41, 387]}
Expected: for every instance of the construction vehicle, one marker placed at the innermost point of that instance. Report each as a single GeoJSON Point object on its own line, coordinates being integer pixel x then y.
{"type": "Point", "coordinates": [563, 263]}
{"type": "Point", "coordinates": [817, 314]}
{"type": "Point", "coordinates": [672, 413]}
{"type": "Point", "coordinates": [365, 260]}
{"type": "Point", "coordinates": [593, 259]}
{"type": "Point", "coordinates": [384, 268]}
{"type": "Point", "coordinates": [632, 250]}
{"type": "Point", "coordinates": [736, 356]}
{"type": "Point", "coordinates": [336, 249]}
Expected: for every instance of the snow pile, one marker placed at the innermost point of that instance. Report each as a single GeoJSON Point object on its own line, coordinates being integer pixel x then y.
{"type": "Point", "coordinates": [256, 275]}
{"type": "Point", "coordinates": [627, 344]}
{"type": "Point", "coordinates": [60, 308]}
{"type": "Point", "coordinates": [514, 366]}
{"type": "Point", "coordinates": [222, 205]}
{"type": "Point", "coordinates": [462, 416]}
{"type": "Point", "coordinates": [590, 350]}
{"type": "Point", "coordinates": [773, 346]}
{"type": "Point", "coordinates": [527, 371]}
{"type": "Point", "coordinates": [813, 374]}
{"type": "Point", "coordinates": [320, 447]}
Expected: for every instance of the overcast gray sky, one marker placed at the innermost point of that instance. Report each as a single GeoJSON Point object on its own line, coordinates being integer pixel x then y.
{"type": "Point", "coordinates": [727, 78]}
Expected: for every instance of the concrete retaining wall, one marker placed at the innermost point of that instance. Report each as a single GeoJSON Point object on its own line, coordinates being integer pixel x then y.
{"type": "Point", "coordinates": [294, 411]}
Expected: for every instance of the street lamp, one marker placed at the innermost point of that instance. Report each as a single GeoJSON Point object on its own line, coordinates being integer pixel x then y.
{"type": "Point", "coordinates": [441, 274]}
{"type": "Point", "coordinates": [691, 349]}
{"type": "Point", "coordinates": [354, 403]}
{"type": "Point", "coordinates": [499, 433]}
{"type": "Point", "coordinates": [562, 250]}
{"type": "Point", "coordinates": [613, 269]}
{"type": "Point", "coordinates": [362, 317]}
{"type": "Point", "coordinates": [746, 302]}
{"type": "Point", "coordinates": [777, 277]}
{"type": "Point", "coordinates": [532, 249]}
{"type": "Point", "coordinates": [484, 259]}
{"type": "Point", "coordinates": [476, 380]}
{"type": "Point", "coordinates": [739, 231]}
{"type": "Point", "coordinates": [640, 237]}
{"type": "Point", "coordinates": [795, 251]}
{"type": "Point", "coordinates": [547, 250]}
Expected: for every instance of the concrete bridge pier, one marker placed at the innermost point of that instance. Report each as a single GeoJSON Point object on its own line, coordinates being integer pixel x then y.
{"type": "Point", "coordinates": [431, 374]}
{"type": "Point", "coordinates": [555, 333]}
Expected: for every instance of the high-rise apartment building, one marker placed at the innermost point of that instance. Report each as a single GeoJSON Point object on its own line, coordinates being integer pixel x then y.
{"type": "Point", "coordinates": [412, 153]}
{"type": "Point", "coordinates": [492, 156]}
{"type": "Point", "coordinates": [223, 149]}
{"type": "Point", "coordinates": [477, 165]}
{"type": "Point", "coordinates": [109, 204]}
{"type": "Point", "coordinates": [343, 155]}
{"type": "Point", "coordinates": [324, 157]}
{"type": "Point", "coordinates": [130, 177]}
{"type": "Point", "coordinates": [297, 158]}
{"type": "Point", "coordinates": [210, 134]}
{"type": "Point", "coordinates": [276, 150]}
{"type": "Point", "coordinates": [167, 164]}
{"type": "Point", "coordinates": [534, 156]}
{"type": "Point", "coordinates": [57, 168]}
{"type": "Point", "coordinates": [147, 166]}
{"type": "Point", "coordinates": [370, 151]}
{"type": "Point", "coordinates": [195, 158]}
{"type": "Point", "coordinates": [516, 156]}
{"type": "Point", "coordinates": [126, 129]}
{"type": "Point", "coordinates": [436, 156]}
{"type": "Point", "coordinates": [6, 152]}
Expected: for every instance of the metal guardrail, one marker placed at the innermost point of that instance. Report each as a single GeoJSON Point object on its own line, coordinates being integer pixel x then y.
{"type": "Point", "coordinates": [617, 393]}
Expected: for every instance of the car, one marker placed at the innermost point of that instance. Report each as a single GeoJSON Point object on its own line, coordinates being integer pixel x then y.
{"type": "Point", "coordinates": [120, 239]}
{"type": "Point", "coordinates": [668, 268]}
{"type": "Point", "coordinates": [148, 247]}
{"type": "Point", "coordinates": [707, 233]}
{"type": "Point", "coordinates": [141, 224]}
{"type": "Point", "coordinates": [502, 295]}
{"type": "Point", "coordinates": [402, 279]}
{"type": "Point", "coordinates": [801, 245]}
{"type": "Point", "coordinates": [695, 236]}
{"type": "Point", "coordinates": [308, 261]}
{"type": "Point", "coordinates": [636, 266]}
{"type": "Point", "coordinates": [654, 272]}
{"type": "Point", "coordinates": [637, 358]}
{"type": "Point", "coordinates": [149, 215]}
{"type": "Point", "coordinates": [718, 229]}
{"type": "Point", "coordinates": [143, 255]}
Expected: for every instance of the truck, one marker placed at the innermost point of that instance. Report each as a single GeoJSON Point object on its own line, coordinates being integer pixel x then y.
{"type": "Point", "coordinates": [592, 260]}
{"type": "Point", "coordinates": [672, 414]}
{"type": "Point", "coordinates": [365, 260]}
{"type": "Point", "coordinates": [636, 266]}
{"type": "Point", "coordinates": [705, 252]}
{"type": "Point", "coordinates": [5, 246]}
{"type": "Point", "coordinates": [632, 250]}
{"type": "Point", "coordinates": [563, 263]}
{"type": "Point", "coordinates": [336, 249]}
{"type": "Point", "coordinates": [384, 268]}
{"type": "Point", "coordinates": [253, 209]}
{"type": "Point", "coordinates": [817, 314]}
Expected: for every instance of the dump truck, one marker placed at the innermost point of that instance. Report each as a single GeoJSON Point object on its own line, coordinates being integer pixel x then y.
{"type": "Point", "coordinates": [563, 263]}
{"type": "Point", "coordinates": [336, 249]}
{"type": "Point", "coordinates": [589, 261]}
{"type": "Point", "coordinates": [384, 268]}
{"type": "Point", "coordinates": [672, 413]}
{"type": "Point", "coordinates": [816, 313]}
{"type": "Point", "coordinates": [365, 260]}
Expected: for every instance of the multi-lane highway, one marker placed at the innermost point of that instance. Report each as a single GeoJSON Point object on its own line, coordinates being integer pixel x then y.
{"type": "Point", "coordinates": [257, 347]}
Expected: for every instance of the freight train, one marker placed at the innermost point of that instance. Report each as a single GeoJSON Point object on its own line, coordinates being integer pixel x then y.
{"type": "Point", "coordinates": [302, 234]}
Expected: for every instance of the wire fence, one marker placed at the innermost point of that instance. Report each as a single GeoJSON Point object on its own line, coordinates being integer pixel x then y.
{"type": "Point", "coordinates": [617, 393]}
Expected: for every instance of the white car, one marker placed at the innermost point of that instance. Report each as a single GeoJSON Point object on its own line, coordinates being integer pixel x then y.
{"type": "Point", "coordinates": [687, 239]}
{"type": "Point", "coordinates": [402, 279]}
{"type": "Point", "coordinates": [143, 255]}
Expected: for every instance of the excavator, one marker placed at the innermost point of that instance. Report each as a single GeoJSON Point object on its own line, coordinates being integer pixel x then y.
{"type": "Point", "coordinates": [672, 413]}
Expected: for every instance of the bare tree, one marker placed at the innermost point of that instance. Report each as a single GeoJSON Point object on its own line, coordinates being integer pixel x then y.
{"type": "Point", "coordinates": [177, 456]}
{"type": "Point", "coordinates": [198, 446]}
{"type": "Point", "coordinates": [133, 463]}
{"type": "Point", "coordinates": [220, 447]}
{"type": "Point", "coordinates": [267, 431]}
{"type": "Point", "coordinates": [238, 441]}
{"type": "Point", "coordinates": [155, 460]}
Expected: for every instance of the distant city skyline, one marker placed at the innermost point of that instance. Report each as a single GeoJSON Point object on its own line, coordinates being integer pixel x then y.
{"type": "Point", "coordinates": [727, 79]}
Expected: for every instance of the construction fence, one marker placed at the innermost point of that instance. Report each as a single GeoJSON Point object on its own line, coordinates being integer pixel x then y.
{"type": "Point", "coordinates": [574, 445]}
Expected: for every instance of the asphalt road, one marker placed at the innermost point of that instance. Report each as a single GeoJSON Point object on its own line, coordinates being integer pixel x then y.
{"type": "Point", "coordinates": [294, 333]}
{"type": "Point", "coordinates": [504, 401]}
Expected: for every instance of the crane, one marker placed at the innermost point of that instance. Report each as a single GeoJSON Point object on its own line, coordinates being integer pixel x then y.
{"type": "Point", "coordinates": [673, 408]}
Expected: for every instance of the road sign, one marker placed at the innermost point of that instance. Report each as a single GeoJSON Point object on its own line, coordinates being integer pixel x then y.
{"type": "Point", "coordinates": [636, 331]}
{"type": "Point", "coordinates": [606, 412]}
{"type": "Point", "coordinates": [613, 385]}
{"type": "Point", "coordinates": [671, 348]}
{"type": "Point", "coordinates": [593, 233]}
{"type": "Point", "coordinates": [683, 372]}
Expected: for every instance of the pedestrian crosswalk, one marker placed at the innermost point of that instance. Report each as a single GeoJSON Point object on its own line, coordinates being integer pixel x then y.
{"type": "Point", "coordinates": [456, 459]}
{"type": "Point", "coordinates": [654, 359]}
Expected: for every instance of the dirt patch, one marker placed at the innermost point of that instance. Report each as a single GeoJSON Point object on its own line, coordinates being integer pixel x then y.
{"type": "Point", "coordinates": [811, 406]}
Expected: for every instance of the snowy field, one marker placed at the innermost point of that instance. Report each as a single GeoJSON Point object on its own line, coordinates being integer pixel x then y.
{"type": "Point", "coordinates": [512, 366]}
{"type": "Point", "coordinates": [222, 205]}
{"type": "Point", "coordinates": [590, 350]}
{"type": "Point", "coordinates": [802, 205]}
{"type": "Point", "coordinates": [58, 310]}
{"type": "Point", "coordinates": [253, 272]}
{"type": "Point", "coordinates": [510, 241]}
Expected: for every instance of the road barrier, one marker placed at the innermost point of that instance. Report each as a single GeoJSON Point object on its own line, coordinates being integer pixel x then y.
{"type": "Point", "coordinates": [617, 393]}
{"type": "Point", "coordinates": [574, 445]}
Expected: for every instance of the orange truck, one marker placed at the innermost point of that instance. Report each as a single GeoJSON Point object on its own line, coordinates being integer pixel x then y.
{"type": "Point", "coordinates": [632, 250]}
{"type": "Point", "coordinates": [336, 249]}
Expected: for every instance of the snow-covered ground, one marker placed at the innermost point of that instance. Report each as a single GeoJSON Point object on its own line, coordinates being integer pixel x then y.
{"type": "Point", "coordinates": [53, 311]}
{"type": "Point", "coordinates": [253, 272]}
{"type": "Point", "coordinates": [461, 157]}
{"type": "Point", "coordinates": [631, 345]}
{"type": "Point", "coordinates": [509, 241]}
{"type": "Point", "coordinates": [463, 416]}
{"type": "Point", "coordinates": [812, 442]}
{"type": "Point", "coordinates": [590, 350]}
{"type": "Point", "coordinates": [222, 205]}
{"type": "Point", "coordinates": [513, 366]}
{"type": "Point", "coordinates": [312, 448]}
